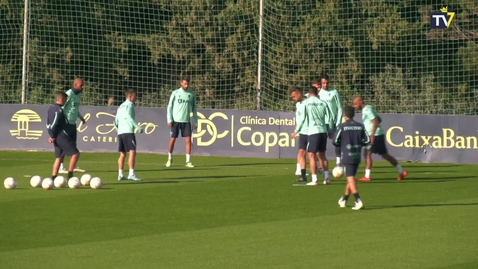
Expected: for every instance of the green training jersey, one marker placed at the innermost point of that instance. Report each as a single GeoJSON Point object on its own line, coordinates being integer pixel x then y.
{"type": "Point", "coordinates": [125, 122]}
{"type": "Point", "coordinates": [332, 98]}
{"type": "Point", "coordinates": [72, 107]}
{"type": "Point", "coordinates": [300, 114]}
{"type": "Point", "coordinates": [368, 114]}
{"type": "Point", "coordinates": [181, 104]}
{"type": "Point", "coordinates": [317, 116]}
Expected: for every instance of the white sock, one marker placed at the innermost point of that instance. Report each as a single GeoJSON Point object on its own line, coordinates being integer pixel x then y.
{"type": "Point", "coordinates": [367, 173]}
{"type": "Point", "coordinates": [314, 178]}
{"type": "Point", "coordinates": [337, 160]}
{"type": "Point", "coordinates": [326, 174]}
{"type": "Point", "coordinates": [170, 155]}
{"type": "Point", "coordinates": [188, 158]}
{"type": "Point", "coordinates": [131, 172]}
{"type": "Point", "coordinates": [120, 172]}
{"type": "Point", "coordinates": [399, 168]}
{"type": "Point", "coordinates": [62, 167]}
{"type": "Point", "coordinates": [298, 167]}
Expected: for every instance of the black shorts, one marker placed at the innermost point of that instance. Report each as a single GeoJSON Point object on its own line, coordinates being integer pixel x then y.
{"type": "Point", "coordinates": [184, 127]}
{"type": "Point", "coordinates": [379, 146]}
{"type": "Point", "coordinates": [351, 169]}
{"type": "Point", "coordinates": [126, 142]}
{"type": "Point", "coordinates": [64, 146]}
{"type": "Point", "coordinates": [303, 141]}
{"type": "Point", "coordinates": [72, 132]}
{"type": "Point", "coordinates": [317, 142]}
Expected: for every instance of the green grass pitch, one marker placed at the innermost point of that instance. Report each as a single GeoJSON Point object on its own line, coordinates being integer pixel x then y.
{"type": "Point", "coordinates": [236, 213]}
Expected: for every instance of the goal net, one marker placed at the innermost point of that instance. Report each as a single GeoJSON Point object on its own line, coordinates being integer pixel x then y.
{"type": "Point", "coordinates": [389, 52]}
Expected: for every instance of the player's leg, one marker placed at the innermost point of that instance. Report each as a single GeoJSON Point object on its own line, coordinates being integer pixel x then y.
{"type": "Point", "coordinates": [321, 148]}
{"type": "Point", "coordinates": [74, 137]}
{"type": "Point", "coordinates": [297, 169]}
{"type": "Point", "coordinates": [312, 150]}
{"type": "Point", "coordinates": [320, 169]}
{"type": "Point", "coordinates": [58, 160]}
{"type": "Point", "coordinates": [401, 173]}
{"type": "Point", "coordinates": [173, 134]}
{"type": "Point", "coordinates": [186, 132]}
{"type": "Point", "coordinates": [130, 146]}
{"type": "Point", "coordinates": [69, 148]}
{"type": "Point", "coordinates": [122, 156]}
{"type": "Point", "coordinates": [367, 155]}
{"type": "Point", "coordinates": [350, 172]}
{"type": "Point", "coordinates": [301, 158]}
{"type": "Point", "coordinates": [381, 148]}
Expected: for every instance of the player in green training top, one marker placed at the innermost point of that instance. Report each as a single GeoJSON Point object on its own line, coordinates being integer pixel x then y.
{"type": "Point", "coordinates": [372, 123]}
{"type": "Point", "coordinates": [332, 98]}
{"type": "Point", "coordinates": [125, 125]}
{"type": "Point", "coordinates": [72, 113]}
{"type": "Point", "coordinates": [300, 113]}
{"type": "Point", "coordinates": [317, 119]}
{"type": "Point", "coordinates": [181, 103]}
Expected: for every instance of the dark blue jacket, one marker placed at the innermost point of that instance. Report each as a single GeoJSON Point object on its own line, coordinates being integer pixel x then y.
{"type": "Point", "coordinates": [351, 137]}
{"type": "Point", "coordinates": [56, 121]}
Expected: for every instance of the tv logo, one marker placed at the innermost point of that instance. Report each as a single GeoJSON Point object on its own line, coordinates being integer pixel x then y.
{"type": "Point", "coordinates": [442, 20]}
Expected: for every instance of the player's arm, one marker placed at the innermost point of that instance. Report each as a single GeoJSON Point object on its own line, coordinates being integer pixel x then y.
{"type": "Point", "coordinates": [130, 118]}
{"type": "Point", "coordinates": [169, 114]}
{"type": "Point", "coordinates": [365, 138]}
{"type": "Point", "coordinates": [79, 116]}
{"type": "Point", "coordinates": [329, 119]}
{"type": "Point", "coordinates": [301, 122]}
{"type": "Point", "coordinates": [337, 137]}
{"type": "Point", "coordinates": [340, 112]}
{"type": "Point", "coordinates": [53, 125]}
{"type": "Point", "coordinates": [194, 110]}
{"type": "Point", "coordinates": [116, 120]}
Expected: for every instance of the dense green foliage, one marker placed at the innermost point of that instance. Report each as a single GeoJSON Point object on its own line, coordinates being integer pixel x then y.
{"type": "Point", "coordinates": [384, 50]}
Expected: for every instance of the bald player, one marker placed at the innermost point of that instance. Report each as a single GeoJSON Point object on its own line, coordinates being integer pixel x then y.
{"type": "Point", "coordinates": [372, 122]}
{"type": "Point", "coordinates": [71, 109]}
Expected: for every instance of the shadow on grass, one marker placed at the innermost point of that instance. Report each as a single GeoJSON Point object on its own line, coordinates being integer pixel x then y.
{"type": "Point", "coordinates": [418, 205]}
{"type": "Point", "coordinates": [415, 180]}
{"type": "Point", "coordinates": [247, 164]}
{"type": "Point", "coordinates": [394, 171]}
{"type": "Point", "coordinates": [216, 177]}
{"type": "Point", "coordinates": [148, 182]}
{"type": "Point", "coordinates": [428, 165]}
{"type": "Point", "coordinates": [164, 169]}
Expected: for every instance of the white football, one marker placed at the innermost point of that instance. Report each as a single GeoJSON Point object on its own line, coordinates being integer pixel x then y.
{"type": "Point", "coordinates": [74, 183]}
{"type": "Point", "coordinates": [338, 172]}
{"type": "Point", "coordinates": [36, 181]}
{"type": "Point", "coordinates": [96, 183]}
{"type": "Point", "coordinates": [85, 179]}
{"type": "Point", "coordinates": [59, 182]}
{"type": "Point", "coordinates": [10, 183]}
{"type": "Point", "coordinates": [47, 184]}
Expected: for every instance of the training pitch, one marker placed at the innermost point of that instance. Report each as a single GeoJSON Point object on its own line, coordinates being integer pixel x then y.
{"type": "Point", "coordinates": [236, 213]}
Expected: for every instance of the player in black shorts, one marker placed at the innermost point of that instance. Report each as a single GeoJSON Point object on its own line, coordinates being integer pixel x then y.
{"type": "Point", "coordinates": [60, 137]}
{"type": "Point", "coordinates": [298, 97]}
{"type": "Point", "coordinates": [351, 137]}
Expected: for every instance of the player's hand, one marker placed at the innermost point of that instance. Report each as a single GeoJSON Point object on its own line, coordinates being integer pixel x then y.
{"type": "Point", "coordinates": [140, 130]}
{"type": "Point", "coordinates": [170, 124]}
{"type": "Point", "coordinates": [83, 120]}
{"type": "Point", "coordinates": [372, 140]}
{"type": "Point", "coordinates": [51, 140]}
{"type": "Point", "coordinates": [294, 135]}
